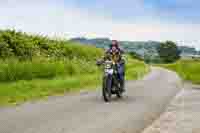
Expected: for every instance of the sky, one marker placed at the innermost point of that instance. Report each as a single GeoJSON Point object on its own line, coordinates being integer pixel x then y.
{"type": "Point", "coordinates": [133, 20]}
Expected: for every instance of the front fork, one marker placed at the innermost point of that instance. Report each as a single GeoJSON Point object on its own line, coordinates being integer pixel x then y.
{"type": "Point", "coordinates": [113, 82]}
{"type": "Point", "coordinates": [108, 79]}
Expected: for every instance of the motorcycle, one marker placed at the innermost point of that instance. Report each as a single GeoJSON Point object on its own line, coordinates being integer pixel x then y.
{"type": "Point", "coordinates": [111, 82]}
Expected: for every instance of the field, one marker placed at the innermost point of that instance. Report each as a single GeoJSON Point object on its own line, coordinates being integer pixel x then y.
{"type": "Point", "coordinates": [188, 69]}
{"type": "Point", "coordinates": [34, 67]}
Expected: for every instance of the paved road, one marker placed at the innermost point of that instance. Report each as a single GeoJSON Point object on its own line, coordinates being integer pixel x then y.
{"type": "Point", "coordinates": [144, 101]}
{"type": "Point", "coordinates": [182, 115]}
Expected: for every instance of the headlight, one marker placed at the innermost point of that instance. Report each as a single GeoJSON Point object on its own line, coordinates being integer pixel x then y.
{"type": "Point", "coordinates": [108, 66]}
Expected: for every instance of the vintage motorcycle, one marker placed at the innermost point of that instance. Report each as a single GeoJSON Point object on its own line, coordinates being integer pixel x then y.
{"type": "Point", "coordinates": [111, 81]}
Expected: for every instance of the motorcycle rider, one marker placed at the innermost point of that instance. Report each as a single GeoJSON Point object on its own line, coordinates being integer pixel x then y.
{"type": "Point", "coordinates": [116, 52]}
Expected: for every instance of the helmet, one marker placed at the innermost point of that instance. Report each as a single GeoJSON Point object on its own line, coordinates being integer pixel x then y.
{"type": "Point", "coordinates": [115, 43]}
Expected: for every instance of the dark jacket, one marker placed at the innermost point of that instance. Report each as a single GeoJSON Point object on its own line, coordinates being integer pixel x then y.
{"type": "Point", "coordinates": [118, 53]}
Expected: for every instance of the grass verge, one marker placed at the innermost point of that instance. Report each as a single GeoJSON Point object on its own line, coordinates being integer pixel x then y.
{"type": "Point", "coordinates": [20, 91]}
{"type": "Point", "coordinates": [187, 69]}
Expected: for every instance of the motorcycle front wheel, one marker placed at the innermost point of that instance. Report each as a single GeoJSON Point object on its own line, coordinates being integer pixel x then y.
{"type": "Point", "coordinates": [107, 89]}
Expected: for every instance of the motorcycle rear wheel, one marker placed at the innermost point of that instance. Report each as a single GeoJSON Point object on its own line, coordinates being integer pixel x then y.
{"type": "Point", "coordinates": [119, 92]}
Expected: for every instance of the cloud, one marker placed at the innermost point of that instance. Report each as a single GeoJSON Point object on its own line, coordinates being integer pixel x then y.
{"type": "Point", "coordinates": [36, 17]}
{"type": "Point", "coordinates": [56, 19]}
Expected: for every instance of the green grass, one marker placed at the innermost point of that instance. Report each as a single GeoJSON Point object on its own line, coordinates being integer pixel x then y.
{"type": "Point", "coordinates": [136, 69]}
{"type": "Point", "coordinates": [14, 70]}
{"type": "Point", "coordinates": [188, 69]}
{"type": "Point", "coordinates": [20, 91]}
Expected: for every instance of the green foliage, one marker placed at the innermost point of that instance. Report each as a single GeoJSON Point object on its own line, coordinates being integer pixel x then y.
{"type": "Point", "coordinates": [187, 69]}
{"type": "Point", "coordinates": [26, 47]}
{"type": "Point", "coordinates": [135, 69]}
{"type": "Point", "coordinates": [33, 66]}
{"type": "Point", "coordinates": [5, 51]}
{"type": "Point", "coordinates": [21, 91]}
{"type": "Point", "coordinates": [79, 76]}
{"type": "Point", "coordinates": [27, 57]}
{"type": "Point", "coordinates": [168, 52]}
{"type": "Point", "coordinates": [13, 70]}
{"type": "Point", "coordinates": [156, 60]}
{"type": "Point", "coordinates": [134, 55]}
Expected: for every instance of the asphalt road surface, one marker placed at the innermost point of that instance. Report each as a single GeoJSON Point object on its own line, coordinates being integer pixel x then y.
{"type": "Point", "coordinates": [142, 103]}
{"type": "Point", "coordinates": [182, 115]}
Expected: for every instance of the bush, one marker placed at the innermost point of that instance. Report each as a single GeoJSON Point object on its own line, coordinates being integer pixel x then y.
{"type": "Point", "coordinates": [27, 57]}
{"type": "Point", "coordinates": [5, 51]}
{"type": "Point", "coordinates": [26, 47]}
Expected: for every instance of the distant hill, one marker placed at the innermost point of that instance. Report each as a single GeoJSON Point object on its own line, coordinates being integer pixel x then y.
{"type": "Point", "coordinates": [142, 48]}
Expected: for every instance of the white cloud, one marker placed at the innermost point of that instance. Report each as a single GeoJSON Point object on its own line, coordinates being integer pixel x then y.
{"type": "Point", "coordinates": [35, 17]}
{"type": "Point", "coordinates": [55, 19]}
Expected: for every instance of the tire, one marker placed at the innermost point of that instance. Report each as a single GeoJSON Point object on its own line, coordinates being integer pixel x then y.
{"type": "Point", "coordinates": [106, 89]}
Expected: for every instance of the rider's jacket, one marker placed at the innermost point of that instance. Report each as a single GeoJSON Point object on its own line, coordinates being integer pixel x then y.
{"type": "Point", "coordinates": [115, 55]}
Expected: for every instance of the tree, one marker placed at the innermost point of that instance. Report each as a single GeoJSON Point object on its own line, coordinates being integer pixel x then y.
{"type": "Point", "coordinates": [168, 52]}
